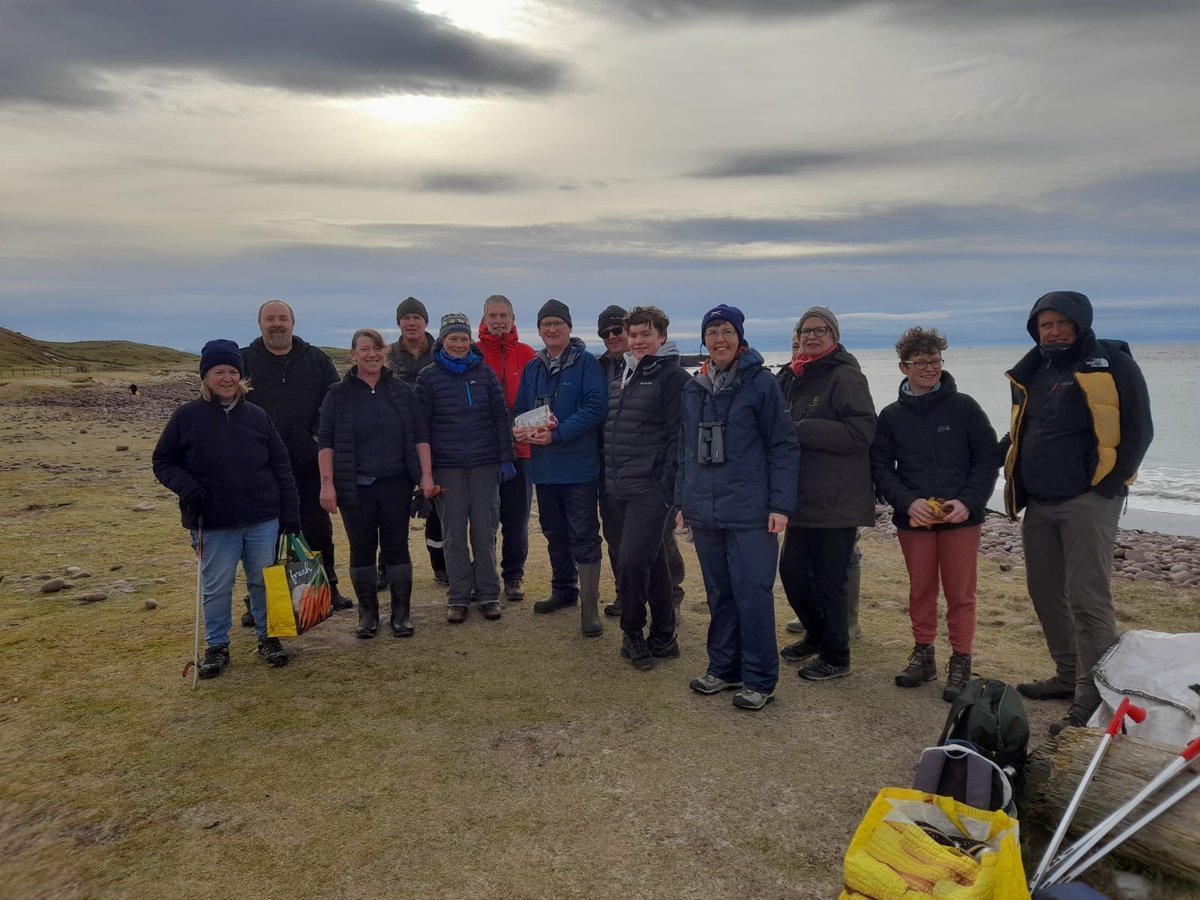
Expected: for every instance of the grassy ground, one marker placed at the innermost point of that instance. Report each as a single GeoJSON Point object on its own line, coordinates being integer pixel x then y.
{"type": "Point", "coordinates": [511, 759]}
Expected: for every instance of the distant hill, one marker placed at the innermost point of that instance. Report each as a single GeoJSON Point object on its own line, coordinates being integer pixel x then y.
{"type": "Point", "coordinates": [17, 349]}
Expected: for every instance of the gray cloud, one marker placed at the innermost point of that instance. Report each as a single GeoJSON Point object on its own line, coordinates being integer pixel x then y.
{"type": "Point", "coordinates": [60, 52]}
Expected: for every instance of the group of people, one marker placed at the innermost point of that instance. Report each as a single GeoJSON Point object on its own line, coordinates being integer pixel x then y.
{"type": "Point", "coordinates": [629, 444]}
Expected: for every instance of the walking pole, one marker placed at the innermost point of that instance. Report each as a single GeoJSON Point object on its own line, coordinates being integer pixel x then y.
{"type": "Point", "coordinates": [1133, 829]}
{"type": "Point", "coordinates": [1125, 709]}
{"type": "Point", "coordinates": [1093, 837]}
{"type": "Point", "coordinates": [199, 598]}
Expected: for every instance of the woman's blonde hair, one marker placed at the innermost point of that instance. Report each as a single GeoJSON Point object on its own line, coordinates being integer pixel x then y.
{"type": "Point", "coordinates": [375, 336]}
{"type": "Point", "coordinates": [244, 387]}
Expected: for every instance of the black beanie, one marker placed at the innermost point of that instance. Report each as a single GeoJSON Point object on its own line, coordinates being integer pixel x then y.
{"type": "Point", "coordinates": [410, 305]}
{"type": "Point", "coordinates": [556, 309]}
{"type": "Point", "coordinates": [611, 318]}
{"type": "Point", "coordinates": [220, 353]}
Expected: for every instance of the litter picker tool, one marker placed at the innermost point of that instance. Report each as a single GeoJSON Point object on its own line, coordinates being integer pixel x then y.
{"type": "Point", "coordinates": [194, 665]}
{"type": "Point", "coordinates": [1137, 714]}
{"type": "Point", "coordinates": [1068, 860]}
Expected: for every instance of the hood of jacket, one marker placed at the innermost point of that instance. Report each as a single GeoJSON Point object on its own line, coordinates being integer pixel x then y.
{"type": "Point", "coordinates": [569, 355]}
{"type": "Point", "coordinates": [1072, 304]}
{"type": "Point", "coordinates": [487, 339]}
{"type": "Point", "coordinates": [652, 363]}
{"type": "Point", "coordinates": [947, 388]}
{"type": "Point", "coordinates": [746, 363]}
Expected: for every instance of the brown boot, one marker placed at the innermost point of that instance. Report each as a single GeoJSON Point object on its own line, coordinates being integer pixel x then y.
{"type": "Point", "coordinates": [922, 667]}
{"type": "Point", "coordinates": [959, 668]}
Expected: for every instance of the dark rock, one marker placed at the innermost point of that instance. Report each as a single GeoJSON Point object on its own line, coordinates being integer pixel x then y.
{"type": "Point", "coordinates": [54, 585]}
{"type": "Point", "coordinates": [93, 597]}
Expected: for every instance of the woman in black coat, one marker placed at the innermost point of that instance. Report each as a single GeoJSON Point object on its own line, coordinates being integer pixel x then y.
{"type": "Point", "coordinates": [935, 461]}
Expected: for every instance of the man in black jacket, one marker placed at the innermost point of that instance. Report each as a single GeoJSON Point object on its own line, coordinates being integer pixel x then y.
{"type": "Point", "coordinates": [1080, 428]}
{"type": "Point", "coordinates": [289, 378]}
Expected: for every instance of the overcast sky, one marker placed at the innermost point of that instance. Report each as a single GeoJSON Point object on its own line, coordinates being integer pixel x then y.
{"type": "Point", "coordinates": [166, 167]}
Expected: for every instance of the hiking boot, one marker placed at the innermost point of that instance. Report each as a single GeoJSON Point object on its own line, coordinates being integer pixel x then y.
{"type": "Point", "coordinates": [959, 668]}
{"type": "Point", "coordinates": [664, 649]}
{"type": "Point", "coordinates": [272, 652]}
{"type": "Point", "coordinates": [1048, 689]}
{"type": "Point", "coordinates": [339, 601]}
{"type": "Point", "coordinates": [711, 684]}
{"type": "Point", "coordinates": [799, 651]}
{"type": "Point", "coordinates": [1077, 717]}
{"type": "Point", "coordinates": [247, 616]}
{"type": "Point", "coordinates": [514, 590]}
{"type": "Point", "coordinates": [440, 576]}
{"type": "Point", "coordinates": [752, 700]}
{"type": "Point", "coordinates": [456, 615]}
{"type": "Point", "coordinates": [490, 611]}
{"type": "Point", "coordinates": [823, 671]}
{"type": "Point", "coordinates": [613, 609]}
{"type": "Point", "coordinates": [922, 667]}
{"type": "Point", "coordinates": [794, 627]}
{"type": "Point", "coordinates": [216, 658]}
{"type": "Point", "coordinates": [635, 649]}
{"type": "Point", "coordinates": [553, 603]}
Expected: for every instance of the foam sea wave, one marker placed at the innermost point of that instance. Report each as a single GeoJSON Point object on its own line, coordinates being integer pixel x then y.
{"type": "Point", "coordinates": [1167, 489]}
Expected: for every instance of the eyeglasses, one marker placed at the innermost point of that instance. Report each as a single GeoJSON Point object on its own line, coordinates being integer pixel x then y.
{"type": "Point", "coordinates": [721, 332]}
{"type": "Point", "coordinates": [819, 331]}
{"type": "Point", "coordinates": [611, 332]}
{"type": "Point", "coordinates": [934, 364]}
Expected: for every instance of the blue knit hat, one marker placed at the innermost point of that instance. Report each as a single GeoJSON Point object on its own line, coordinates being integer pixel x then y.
{"type": "Point", "coordinates": [220, 353]}
{"type": "Point", "coordinates": [723, 313]}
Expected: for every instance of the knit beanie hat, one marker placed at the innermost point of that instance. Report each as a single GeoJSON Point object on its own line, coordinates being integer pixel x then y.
{"type": "Point", "coordinates": [220, 353]}
{"type": "Point", "coordinates": [723, 313]}
{"type": "Point", "coordinates": [452, 322]}
{"type": "Point", "coordinates": [410, 305]}
{"type": "Point", "coordinates": [823, 313]}
{"type": "Point", "coordinates": [556, 309]}
{"type": "Point", "coordinates": [612, 317]}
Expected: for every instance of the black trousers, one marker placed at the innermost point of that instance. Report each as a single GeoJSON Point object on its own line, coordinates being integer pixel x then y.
{"type": "Point", "coordinates": [813, 568]}
{"type": "Point", "coordinates": [643, 576]}
{"type": "Point", "coordinates": [567, 514]}
{"type": "Point", "coordinates": [379, 521]}
{"type": "Point", "coordinates": [314, 521]}
{"type": "Point", "coordinates": [515, 499]}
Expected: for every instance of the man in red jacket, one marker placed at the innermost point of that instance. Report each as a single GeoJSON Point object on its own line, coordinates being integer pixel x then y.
{"type": "Point", "coordinates": [507, 357]}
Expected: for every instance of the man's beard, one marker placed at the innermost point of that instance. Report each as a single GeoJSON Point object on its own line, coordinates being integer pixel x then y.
{"type": "Point", "coordinates": [277, 340]}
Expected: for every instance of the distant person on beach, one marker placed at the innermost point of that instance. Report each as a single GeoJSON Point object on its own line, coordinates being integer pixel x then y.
{"type": "Point", "coordinates": [470, 436]}
{"type": "Point", "coordinates": [934, 460]}
{"type": "Point", "coordinates": [507, 355]}
{"type": "Point", "coordinates": [290, 379]}
{"type": "Point", "coordinates": [1080, 427]}
{"type": "Point", "coordinates": [736, 484]}
{"type": "Point", "coordinates": [834, 417]}
{"type": "Point", "coordinates": [565, 462]}
{"type": "Point", "coordinates": [225, 460]}
{"type": "Point", "coordinates": [641, 435]}
{"type": "Point", "coordinates": [408, 356]}
{"type": "Point", "coordinates": [373, 447]}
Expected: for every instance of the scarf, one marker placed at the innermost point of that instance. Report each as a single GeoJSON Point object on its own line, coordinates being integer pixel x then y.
{"type": "Point", "coordinates": [799, 361]}
{"type": "Point", "coordinates": [454, 364]}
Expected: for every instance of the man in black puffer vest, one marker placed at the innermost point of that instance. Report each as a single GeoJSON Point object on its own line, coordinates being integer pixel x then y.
{"type": "Point", "coordinates": [289, 377]}
{"type": "Point", "coordinates": [641, 434]}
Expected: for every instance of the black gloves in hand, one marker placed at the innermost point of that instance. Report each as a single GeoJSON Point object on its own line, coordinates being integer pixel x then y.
{"type": "Point", "coordinates": [193, 499]}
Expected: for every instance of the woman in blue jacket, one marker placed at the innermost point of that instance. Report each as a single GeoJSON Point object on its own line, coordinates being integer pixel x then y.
{"type": "Point", "coordinates": [736, 484]}
{"type": "Point", "coordinates": [227, 463]}
{"type": "Point", "coordinates": [470, 439]}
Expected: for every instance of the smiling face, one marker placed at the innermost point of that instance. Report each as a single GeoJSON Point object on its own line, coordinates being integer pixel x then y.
{"type": "Point", "coordinates": [815, 336]}
{"type": "Point", "coordinates": [616, 340]}
{"type": "Point", "coordinates": [555, 334]}
{"type": "Point", "coordinates": [457, 344]}
{"type": "Point", "coordinates": [644, 340]}
{"type": "Point", "coordinates": [498, 318]}
{"type": "Point", "coordinates": [1055, 328]}
{"type": "Point", "coordinates": [223, 381]}
{"type": "Point", "coordinates": [924, 371]}
{"type": "Point", "coordinates": [721, 341]}
{"type": "Point", "coordinates": [412, 327]}
{"type": "Point", "coordinates": [276, 323]}
{"type": "Point", "coordinates": [368, 356]}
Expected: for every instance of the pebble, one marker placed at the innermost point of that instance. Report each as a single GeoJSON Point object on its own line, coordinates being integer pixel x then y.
{"type": "Point", "coordinates": [144, 507]}
{"type": "Point", "coordinates": [93, 597]}
{"type": "Point", "coordinates": [121, 448]}
{"type": "Point", "coordinates": [160, 581]}
{"type": "Point", "coordinates": [151, 604]}
{"type": "Point", "coordinates": [54, 585]}
{"type": "Point", "coordinates": [116, 568]}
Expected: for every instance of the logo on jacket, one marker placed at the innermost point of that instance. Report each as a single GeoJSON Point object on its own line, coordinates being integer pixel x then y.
{"type": "Point", "coordinates": [942, 428]}
{"type": "Point", "coordinates": [815, 401]}
{"type": "Point", "coordinates": [1098, 363]}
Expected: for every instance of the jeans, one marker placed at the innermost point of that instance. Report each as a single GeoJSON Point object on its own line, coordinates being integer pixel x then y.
{"type": "Point", "coordinates": [255, 546]}
{"type": "Point", "coordinates": [515, 499]}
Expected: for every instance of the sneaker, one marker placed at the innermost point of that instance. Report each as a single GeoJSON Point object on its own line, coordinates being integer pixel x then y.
{"type": "Point", "coordinates": [247, 616]}
{"type": "Point", "coordinates": [514, 590]}
{"type": "Point", "coordinates": [1077, 717]}
{"type": "Point", "coordinates": [753, 700]}
{"type": "Point", "coordinates": [795, 627]}
{"type": "Point", "coordinates": [490, 611]}
{"type": "Point", "coordinates": [635, 649]}
{"type": "Point", "coordinates": [922, 667]}
{"type": "Point", "coordinates": [1048, 689]}
{"type": "Point", "coordinates": [799, 651]}
{"type": "Point", "coordinates": [612, 609]}
{"type": "Point", "coordinates": [553, 603]}
{"type": "Point", "coordinates": [338, 600]}
{"type": "Point", "coordinates": [272, 652]}
{"type": "Point", "coordinates": [440, 576]}
{"type": "Point", "coordinates": [959, 668]}
{"type": "Point", "coordinates": [216, 658]}
{"type": "Point", "coordinates": [823, 671]}
{"type": "Point", "coordinates": [660, 649]}
{"type": "Point", "coordinates": [456, 615]}
{"type": "Point", "coordinates": [711, 684]}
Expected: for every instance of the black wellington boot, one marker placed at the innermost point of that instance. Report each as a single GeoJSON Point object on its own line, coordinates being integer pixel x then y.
{"type": "Point", "coordinates": [400, 582]}
{"type": "Point", "coordinates": [363, 579]}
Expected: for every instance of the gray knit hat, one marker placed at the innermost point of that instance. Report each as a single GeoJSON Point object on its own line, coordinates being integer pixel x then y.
{"type": "Point", "coordinates": [410, 305]}
{"type": "Point", "coordinates": [452, 322]}
{"type": "Point", "coordinates": [826, 315]}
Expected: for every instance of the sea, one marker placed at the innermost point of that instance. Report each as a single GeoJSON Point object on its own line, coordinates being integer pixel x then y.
{"type": "Point", "coordinates": [1166, 496]}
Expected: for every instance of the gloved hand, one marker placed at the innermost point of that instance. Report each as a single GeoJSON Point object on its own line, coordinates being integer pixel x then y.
{"type": "Point", "coordinates": [288, 527]}
{"type": "Point", "coordinates": [507, 472]}
{"type": "Point", "coordinates": [193, 498]}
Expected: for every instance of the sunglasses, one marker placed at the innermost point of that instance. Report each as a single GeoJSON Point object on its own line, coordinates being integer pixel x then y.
{"type": "Point", "coordinates": [611, 332]}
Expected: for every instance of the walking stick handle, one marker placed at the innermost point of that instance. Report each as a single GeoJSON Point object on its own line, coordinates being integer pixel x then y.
{"type": "Point", "coordinates": [1136, 713]}
{"type": "Point", "coordinates": [1192, 750]}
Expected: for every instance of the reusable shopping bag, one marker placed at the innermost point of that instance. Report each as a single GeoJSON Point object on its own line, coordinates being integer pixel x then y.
{"type": "Point", "coordinates": [912, 844]}
{"type": "Point", "coordinates": [298, 592]}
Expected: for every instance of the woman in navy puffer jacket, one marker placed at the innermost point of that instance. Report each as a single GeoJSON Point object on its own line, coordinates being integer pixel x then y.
{"type": "Point", "coordinates": [736, 484]}
{"type": "Point", "coordinates": [470, 438]}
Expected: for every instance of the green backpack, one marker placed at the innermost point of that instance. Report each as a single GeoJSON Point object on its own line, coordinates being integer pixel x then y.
{"type": "Point", "coordinates": [990, 715]}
